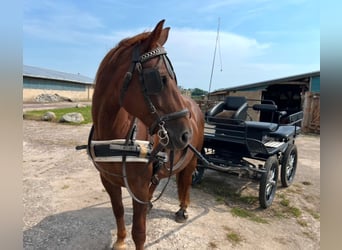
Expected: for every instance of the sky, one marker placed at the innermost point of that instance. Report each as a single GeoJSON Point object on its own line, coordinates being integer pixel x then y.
{"type": "Point", "coordinates": [259, 40]}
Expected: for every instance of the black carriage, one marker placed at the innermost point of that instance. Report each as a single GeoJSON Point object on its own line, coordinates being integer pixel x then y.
{"type": "Point", "coordinates": [233, 141]}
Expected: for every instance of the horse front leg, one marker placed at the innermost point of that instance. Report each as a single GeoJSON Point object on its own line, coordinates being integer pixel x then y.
{"type": "Point", "coordinates": [184, 180]}
{"type": "Point", "coordinates": [115, 195]}
{"type": "Point", "coordinates": [152, 188]}
{"type": "Point", "coordinates": [139, 224]}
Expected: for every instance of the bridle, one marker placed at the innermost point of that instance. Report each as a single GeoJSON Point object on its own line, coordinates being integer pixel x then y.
{"type": "Point", "coordinates": [152, 84]}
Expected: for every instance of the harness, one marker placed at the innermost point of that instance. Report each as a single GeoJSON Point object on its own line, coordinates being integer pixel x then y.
{"type": "Point", "coordinates": [130, 149]}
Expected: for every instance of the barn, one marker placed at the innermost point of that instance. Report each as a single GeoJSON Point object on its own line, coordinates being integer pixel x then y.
{"type": "Point", "coordinates": [292, 94]}
{"type": "Point", "coordinates": [38, 81]}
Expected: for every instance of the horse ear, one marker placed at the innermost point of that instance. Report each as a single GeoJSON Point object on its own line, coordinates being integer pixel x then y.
{"type": "Point", "coordinates": [163, 36]}
{"type": "Point", "coordinates": [158, 35]}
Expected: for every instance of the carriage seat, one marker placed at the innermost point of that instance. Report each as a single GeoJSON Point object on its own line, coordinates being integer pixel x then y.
{"type": "Point", "coordinates": [286, 132]}
{"type": "Point", "coordinates": [261, 126]}
{"type": "Point", "coordinates": [233, 107]}
{"type": "Point", "coordinates": [257, 130]}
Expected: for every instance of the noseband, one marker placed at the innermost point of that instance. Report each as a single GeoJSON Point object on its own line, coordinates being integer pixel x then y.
{"type": "Point", "coordinates": [152, 84]}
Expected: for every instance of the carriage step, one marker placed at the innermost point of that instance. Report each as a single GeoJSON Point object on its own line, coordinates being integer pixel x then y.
{"type": "Point", "coordinates": [273, 144]}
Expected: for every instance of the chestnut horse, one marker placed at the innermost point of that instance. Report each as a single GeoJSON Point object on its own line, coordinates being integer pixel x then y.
{"type": "Point", "coordinates": [136, 98]}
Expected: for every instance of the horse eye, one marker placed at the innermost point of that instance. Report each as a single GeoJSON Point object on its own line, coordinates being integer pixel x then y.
{"type": "Point", "coordinates": [164, 80]}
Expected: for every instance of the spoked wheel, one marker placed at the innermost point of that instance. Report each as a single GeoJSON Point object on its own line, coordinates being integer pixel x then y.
{"type": "Point", "coordinates": [197, 175]}
{"type": "Point", "coordinates": [268, 182]}
{"type": "Point", "coordinates": [289, 165]}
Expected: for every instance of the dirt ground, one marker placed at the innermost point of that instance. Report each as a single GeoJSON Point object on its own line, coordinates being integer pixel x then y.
{"type": "Point", "coordinates": [66, 207]}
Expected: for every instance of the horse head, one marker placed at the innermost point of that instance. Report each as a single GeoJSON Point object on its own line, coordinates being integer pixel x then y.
{"type": "Point", "coordinates": [150, 92]}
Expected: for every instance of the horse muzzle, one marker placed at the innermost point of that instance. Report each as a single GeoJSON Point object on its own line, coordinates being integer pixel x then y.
{"type": "Point", "coordinates": [174, 130]}
{"type": "Point", "coordinates": [179, 137]}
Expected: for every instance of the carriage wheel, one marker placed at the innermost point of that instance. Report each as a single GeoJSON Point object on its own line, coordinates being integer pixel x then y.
{"type": "Point", "coordinates": [268, 182]}
{"type": "Point", "coordinates": [289, 165]}
{"type": "Point", "coordinates": [197, 175]}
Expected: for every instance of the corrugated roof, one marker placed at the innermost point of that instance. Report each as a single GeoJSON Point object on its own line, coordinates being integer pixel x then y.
{"type": "Point", "coordinates": [37, 72]}
{"type": "Point", "coordinates": [264, 84]}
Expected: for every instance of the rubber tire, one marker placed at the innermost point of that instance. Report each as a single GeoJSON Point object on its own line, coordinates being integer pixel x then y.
{"type": "Point", "coordinates": [289, 163]}
{"type": "Point", "coordinates": [197, 175]}
{"type": "Point", "coordinates": [268, 182]}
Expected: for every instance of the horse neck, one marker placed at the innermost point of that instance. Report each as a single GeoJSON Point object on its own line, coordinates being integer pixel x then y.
{"type": "Point", "coordinates": [113, 122]}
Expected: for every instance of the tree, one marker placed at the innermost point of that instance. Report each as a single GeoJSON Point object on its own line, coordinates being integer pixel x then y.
{"type": "Point", "coordinates": [198, 92]}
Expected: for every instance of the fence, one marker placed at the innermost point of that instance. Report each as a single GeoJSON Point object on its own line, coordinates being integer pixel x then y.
{"type": "Point", "coordinates": [312, 115]}
{"type": "Point", "coordinates": [206, 105]}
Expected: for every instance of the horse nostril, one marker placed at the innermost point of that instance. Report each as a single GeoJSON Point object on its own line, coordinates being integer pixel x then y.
{"type": "Point", "coordinates": [185, 137]}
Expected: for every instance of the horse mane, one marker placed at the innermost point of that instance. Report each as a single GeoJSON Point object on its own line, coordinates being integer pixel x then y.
{"type": "Point", "coordinates": [114, 53]}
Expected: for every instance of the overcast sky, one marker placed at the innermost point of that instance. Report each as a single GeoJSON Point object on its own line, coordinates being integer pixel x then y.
{"type": "Point", "coordinates": [259, 39]}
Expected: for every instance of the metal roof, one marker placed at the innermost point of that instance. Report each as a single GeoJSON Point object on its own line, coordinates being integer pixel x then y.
{"type": "Point", "coordinates": [36, 72]}
{"type": "Point", "coordinates": [264, 84]}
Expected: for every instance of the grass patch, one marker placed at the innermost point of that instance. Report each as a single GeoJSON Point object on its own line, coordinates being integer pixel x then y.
{"type": "Point", "coordinates": [285, 202]}
{"type": "Point", "coordinates": [277, 213]}
{"type": "Point", "coordinates": [32, 115]}
{"type": "Point", "coordinates": [234, 237]}
{"type": "Point", "coordinates": [295, 211]}
{"type": "Point", "coordinates": [250, 200]}
{"type": "Point", "coordinates": [287, 209]}
{"type": "Point", "coordinates": [313, 213]}
{"type": "Point", "coordinates": [281, 195]}
{"type": "Point", "coordinates": [240, 212]}
{"type": "Point", "coordinates": [219, 199]}
{"type": "Point", "coordinates": [37, 114]}
{"type": "Point", "coordinates": [222, 193]}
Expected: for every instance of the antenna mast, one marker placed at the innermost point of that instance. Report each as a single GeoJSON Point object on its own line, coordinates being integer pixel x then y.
{"type": "Point", "coordinates": [213, 65]}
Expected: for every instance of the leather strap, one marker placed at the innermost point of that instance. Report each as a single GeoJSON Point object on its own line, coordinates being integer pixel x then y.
{"type": "Point", "coordinates": [168, 117]}
{"type": "Point", "coordinates": [129, 73]}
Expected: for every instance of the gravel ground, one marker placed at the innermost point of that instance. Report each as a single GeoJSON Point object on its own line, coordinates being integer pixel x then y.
{"type": "Point", "coordinates": [66, 207]}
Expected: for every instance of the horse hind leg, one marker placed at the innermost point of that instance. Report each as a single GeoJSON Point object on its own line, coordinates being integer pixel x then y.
{"type": "Point", "coordinates": [115, 195]}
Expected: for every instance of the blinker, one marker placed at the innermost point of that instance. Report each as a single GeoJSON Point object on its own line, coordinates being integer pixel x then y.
{"type": "Point", "coordinates": [153, 81]}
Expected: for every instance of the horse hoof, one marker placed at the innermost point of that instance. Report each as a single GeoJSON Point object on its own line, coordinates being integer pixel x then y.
{"type": "Point", "coordinates": [119, 246]}
{"type": "Point", "coordinates": [181, 216]}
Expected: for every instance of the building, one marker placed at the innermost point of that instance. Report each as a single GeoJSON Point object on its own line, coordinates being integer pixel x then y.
{"type": "Point", "coordinates": [37, 81]}
{"type": "Point", "coordinates": [275, 88]}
